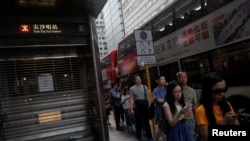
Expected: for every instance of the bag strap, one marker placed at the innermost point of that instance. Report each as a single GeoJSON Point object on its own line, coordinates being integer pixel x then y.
{"type": "Point", "coordinates": [144, 91]}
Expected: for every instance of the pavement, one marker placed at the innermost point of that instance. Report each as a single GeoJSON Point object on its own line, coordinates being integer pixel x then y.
{"type": "Point", "coordinates": [125, 135]}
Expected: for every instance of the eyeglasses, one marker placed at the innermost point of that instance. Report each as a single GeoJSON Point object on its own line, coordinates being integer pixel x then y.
{"type": "Point", "coordinates": [219, 91]}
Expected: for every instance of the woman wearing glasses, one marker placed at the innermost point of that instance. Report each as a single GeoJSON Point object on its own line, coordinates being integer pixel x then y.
{"type": "Point", "coordinates": [213, 108]}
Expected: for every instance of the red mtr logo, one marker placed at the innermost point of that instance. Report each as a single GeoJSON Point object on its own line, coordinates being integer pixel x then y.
{"type": "Point", "coordinates": [24, 28]}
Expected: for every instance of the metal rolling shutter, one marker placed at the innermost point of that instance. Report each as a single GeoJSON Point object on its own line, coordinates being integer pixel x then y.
{"type": "Point", "coordinates": [44, 93]}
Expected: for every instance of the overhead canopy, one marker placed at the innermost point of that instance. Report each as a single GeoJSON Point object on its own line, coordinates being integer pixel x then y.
{"type": "Point", "coordinates": [165, 17]}
{"type": "Point", "coordinates": [51, 8]}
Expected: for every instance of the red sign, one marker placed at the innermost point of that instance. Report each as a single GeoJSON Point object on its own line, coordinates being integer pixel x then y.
{"type": "Point", "coordinates": [25, 28]}
{"type": "Point", "coordinates": [128, 64]}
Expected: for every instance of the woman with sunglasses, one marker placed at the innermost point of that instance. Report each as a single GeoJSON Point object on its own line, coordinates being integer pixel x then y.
{"type": "Point", "coordinates": [213, 108]}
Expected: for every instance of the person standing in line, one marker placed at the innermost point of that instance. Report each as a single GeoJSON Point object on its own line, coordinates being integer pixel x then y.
{"type": "Point", "coordinates": [159, 98]}
{"type": "Point", "coordinates": [116, 102]}
{"type": "Point", "coordinates": [190, 98]}
{"type": "Point", "coordinates": [139, 97]}
{"type": "Point", "coordinates": [122, 114]}
{"type": "Point", "coordinates": [175, 111]}
{"type": "Point", "coordinates": [125, 99]}
{"type": "Point", "coordinates": [107, 105]}
{"type": "Point", "coordinates": [214, 109]}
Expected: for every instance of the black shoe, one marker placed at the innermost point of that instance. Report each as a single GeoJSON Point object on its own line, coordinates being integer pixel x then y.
{"type": "Point", "coordinates": [119, 128]}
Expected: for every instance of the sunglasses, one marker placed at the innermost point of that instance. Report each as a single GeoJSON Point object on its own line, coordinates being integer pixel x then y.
{"type": "Point", "coordinates": [219, 91]}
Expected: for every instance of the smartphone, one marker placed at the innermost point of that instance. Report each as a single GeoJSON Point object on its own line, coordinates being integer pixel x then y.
{"type": "Point", "coordinates": [189, 106]}
{"type": "Point", "coordinates": [235, 115]}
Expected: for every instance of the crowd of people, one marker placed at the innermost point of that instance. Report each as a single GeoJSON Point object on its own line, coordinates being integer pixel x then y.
{"type": "Point", "coordinates": [186, 117]}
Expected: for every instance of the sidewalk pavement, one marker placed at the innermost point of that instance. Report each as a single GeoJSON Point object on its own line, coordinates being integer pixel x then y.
{"type": "Point", "coordinates": [124, 135]}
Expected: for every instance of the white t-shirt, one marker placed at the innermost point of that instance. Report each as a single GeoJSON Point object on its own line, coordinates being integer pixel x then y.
{"type": "Point", "coordinates": [178, 107]}
{"type": "Point", "coordinates": [125, 100]}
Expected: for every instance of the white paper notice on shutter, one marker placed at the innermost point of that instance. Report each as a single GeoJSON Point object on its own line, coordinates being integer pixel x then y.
{"type": "Point", "coordinates": [45, 81]}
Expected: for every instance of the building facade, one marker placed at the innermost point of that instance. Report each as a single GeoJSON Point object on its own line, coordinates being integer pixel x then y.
{"type": "Point", "coordinates": [114, 24]}
{"type": "Point", "coordinates": [124, 16]}
{"type": "Point", "coordinates": [101, 34]}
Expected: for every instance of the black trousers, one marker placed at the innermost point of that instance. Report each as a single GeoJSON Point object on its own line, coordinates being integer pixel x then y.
{"type": "Point", "coordinates": [142, 117]}
{"type": "Point", "coordinates": [117, 115]}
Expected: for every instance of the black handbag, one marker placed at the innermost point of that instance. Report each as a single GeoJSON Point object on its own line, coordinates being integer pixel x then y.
{"type": "Point", "coordinates": [141, 103]}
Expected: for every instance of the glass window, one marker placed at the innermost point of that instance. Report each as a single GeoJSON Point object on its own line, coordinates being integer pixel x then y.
{"type": "Point", "coordinates": [169, 71]}
{"type": "Point", "coordinates": [233, 62]}
{"type": "Point", "coordinates": [126, 46]}
{"type": "Point", "coordinates": [196, 66]}
{"type": "Point", "coordinates": [105, 61]}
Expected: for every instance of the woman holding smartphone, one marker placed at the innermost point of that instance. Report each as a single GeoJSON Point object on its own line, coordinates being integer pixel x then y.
{"type": "Point", "coordinates": [213, 108]}
{"type": "Point", "coordinates": [176, 112]}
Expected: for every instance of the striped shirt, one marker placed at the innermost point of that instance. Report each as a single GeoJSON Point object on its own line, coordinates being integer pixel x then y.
{"type": "Point", "coordinates": [190, 96]}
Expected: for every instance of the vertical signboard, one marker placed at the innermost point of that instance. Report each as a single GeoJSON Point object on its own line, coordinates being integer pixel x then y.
{"type": "Point", "coordinates": [145, 55]}
{"type": "Point", "coordinates": [144, 47]}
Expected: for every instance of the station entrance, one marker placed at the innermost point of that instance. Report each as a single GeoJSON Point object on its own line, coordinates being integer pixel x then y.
{"type": "Point", "coordinates": [49, 72]}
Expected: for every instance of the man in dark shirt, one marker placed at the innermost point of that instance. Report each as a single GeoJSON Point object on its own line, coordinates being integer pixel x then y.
{"type": "Point", "coordinates": [116, 102]}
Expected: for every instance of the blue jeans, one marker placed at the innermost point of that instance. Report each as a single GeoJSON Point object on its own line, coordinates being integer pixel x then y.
{"type": "Point", "coordinates": [180, 132]}
{"type": "Point", "coordinates": [191, 123]}
{"type": "Point", "coordinates": [129, 118]}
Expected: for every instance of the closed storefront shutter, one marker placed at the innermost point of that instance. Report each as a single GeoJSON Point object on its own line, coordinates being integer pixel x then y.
{"type": "Point", "coordinates": [47, 94]}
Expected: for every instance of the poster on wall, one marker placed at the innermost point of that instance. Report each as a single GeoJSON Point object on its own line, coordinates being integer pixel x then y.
{"type": "Point", "coordinates": [45, 82]}
{"type": "Point", "coordinates": [232, 23]}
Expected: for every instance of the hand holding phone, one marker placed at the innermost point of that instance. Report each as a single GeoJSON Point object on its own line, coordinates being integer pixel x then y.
{"type": "Point", "coordinates": [187, 111]}
{"type": "Point", "coordinates": [188, 107]}
{"type": "Point", "coordinates": [231, 116]}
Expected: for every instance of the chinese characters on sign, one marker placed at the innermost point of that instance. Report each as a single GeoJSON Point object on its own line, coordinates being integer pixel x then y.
{"type": "Point", "coordinates": [144, 47]}
{"type": "Point", "coordinates": [190, 36]}
{"type": "Point", "coordinates": [195, 34]}
{"type": "Point", "coordinates": [39, 28]}
{"type": "Point", "coordinates": [146, 59]}
{"type": "Point", "coordinates": [46, 28]}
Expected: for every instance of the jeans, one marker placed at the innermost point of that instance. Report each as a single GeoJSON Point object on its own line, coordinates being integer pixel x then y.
{"type": "Point", "coordinates": [129, 118]}
{"type": "Point", "coordinates": [191, 123]}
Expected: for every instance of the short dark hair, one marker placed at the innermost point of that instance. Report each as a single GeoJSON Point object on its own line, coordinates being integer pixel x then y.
{"type": "Point", "coordinates": [136, 75]}
{"type": "Point", "coordinates": [113, 84]}
{"type": "Point", "coordinates": [160, 77]}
